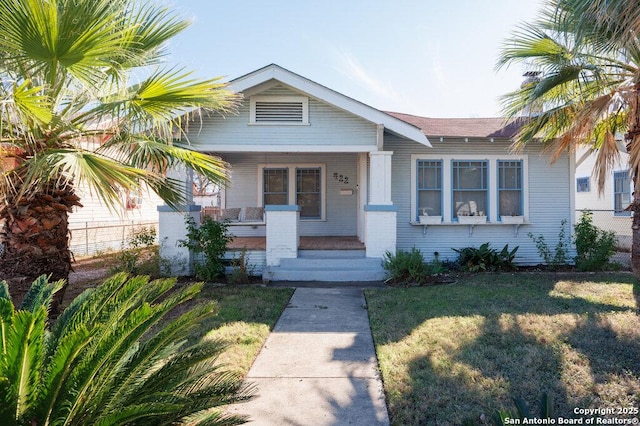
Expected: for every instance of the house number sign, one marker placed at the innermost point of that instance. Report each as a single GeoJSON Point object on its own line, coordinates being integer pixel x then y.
{"type": "Point", "coordinates": [341, 178]}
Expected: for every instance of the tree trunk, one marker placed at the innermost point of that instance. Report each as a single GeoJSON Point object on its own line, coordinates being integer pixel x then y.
{"type": "Point", "coordinates": [35, 239]}
{"type": "Point", "coordinates": [633, 138]}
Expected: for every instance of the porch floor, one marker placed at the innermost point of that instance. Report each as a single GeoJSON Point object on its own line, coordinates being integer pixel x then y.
{"type": "Point", "coordinates": [306, 243]}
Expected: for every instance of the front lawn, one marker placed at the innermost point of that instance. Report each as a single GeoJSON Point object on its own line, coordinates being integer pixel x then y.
{"type": "Point", "coordinates": [453, 352]}
{"type": "Point", "coordinates": [246, 316]}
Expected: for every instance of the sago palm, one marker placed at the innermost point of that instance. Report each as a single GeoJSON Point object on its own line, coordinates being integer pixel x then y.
{"type": "Point", "coordinates": [111, 358]}
{"type": "Point", "coordinates": [586, 93]}
{"type": "Point", "coordinates": [75, 72]}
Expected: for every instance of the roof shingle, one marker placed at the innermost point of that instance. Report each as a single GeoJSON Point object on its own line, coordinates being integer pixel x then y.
{"type": "Point", "coordinates": [462, 127]}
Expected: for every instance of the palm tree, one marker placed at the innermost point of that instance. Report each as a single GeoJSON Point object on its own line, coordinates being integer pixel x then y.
{"type": "Point", "coordinates": [112, 358]}
{"type": "Point", "coordinates": [587, 57]}
{"type": "Point", "coordinates": [66, 70]}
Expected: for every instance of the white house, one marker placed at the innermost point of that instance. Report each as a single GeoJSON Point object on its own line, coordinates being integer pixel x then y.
{"type": "Point", "coordinates": [608, 207]}
{"type": "Point", "coordinates": [323, 185]}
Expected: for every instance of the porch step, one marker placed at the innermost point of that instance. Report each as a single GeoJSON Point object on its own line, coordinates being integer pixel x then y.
{"type": "Point", "coordinates": [326, 269]}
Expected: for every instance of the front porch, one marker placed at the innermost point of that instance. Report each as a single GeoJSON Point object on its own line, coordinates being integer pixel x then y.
{"type": "Point", "coordinates": [306, 243]}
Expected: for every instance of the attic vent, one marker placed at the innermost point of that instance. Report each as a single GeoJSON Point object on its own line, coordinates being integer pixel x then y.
{"type": "Point", "coordinates": [279, 110]}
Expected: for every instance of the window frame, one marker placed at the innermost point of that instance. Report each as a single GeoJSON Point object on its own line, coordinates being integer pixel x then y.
{"type": "Point", "coordinates": [485, 189]}
{"type": "Point", "coordinates": [292, 185]}
{"type": "Point", "coordinates": [253, 100]}
{"type": "Point", "coordinates": [492, 178]}
{"type": "Point", "coordinates": [616, 173]}
{"type": "Point", "coordinates": [583, 179]}
{"type": "Point", "coordinates": [520, 189]}
{"type": "Point", "coordinates": [287, 181]}
{"type": "Point", "coordinates": [418, 189]}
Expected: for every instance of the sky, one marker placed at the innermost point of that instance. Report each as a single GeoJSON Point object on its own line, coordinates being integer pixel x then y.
{"type": "Point", "coordinates": [432, 58]}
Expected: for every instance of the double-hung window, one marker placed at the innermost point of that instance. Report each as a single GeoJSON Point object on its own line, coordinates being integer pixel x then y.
{"type": "Point", "coordinates": [621, 193]}
{"type": "Point", "coordinates": [470, 188]}
{"type": "Point", "coordinates": [429, 187]}
{"type": "Point", "coordinates": [509, 188]}
{"type": "Point", "coordinates": [295, 184]}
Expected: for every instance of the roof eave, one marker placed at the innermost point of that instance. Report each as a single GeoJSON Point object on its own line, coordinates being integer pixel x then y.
{"type": "Point", "coordinates": [318, 91]}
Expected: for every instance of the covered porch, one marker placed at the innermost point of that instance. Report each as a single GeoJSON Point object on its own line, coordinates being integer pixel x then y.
{"type": "Point", "coordinates": [306, 243]}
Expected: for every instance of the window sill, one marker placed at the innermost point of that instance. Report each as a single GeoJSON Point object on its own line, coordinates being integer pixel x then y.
{"type": "Point", "coordinates": [470, 225]}
{"type": "Point", "coordinates": [279, 124]}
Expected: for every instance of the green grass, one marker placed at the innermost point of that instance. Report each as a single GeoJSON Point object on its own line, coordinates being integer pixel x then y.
{"type": "Point", "coordinates": [246, 316]}
{"type": "Point", "coordinates": [457, 351]}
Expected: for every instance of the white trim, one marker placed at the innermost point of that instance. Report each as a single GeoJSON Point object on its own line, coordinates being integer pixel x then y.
{"type": "Point", "coordinates": [313, 89]}
{"type": "Point", "coordinates": [294, 99]}
{"type": "Point", "coordinates": [292, 184]}
{"type": "Point", "coordinates": [287, 148]}
{"type": "Point", "coordinates": [492, 184]}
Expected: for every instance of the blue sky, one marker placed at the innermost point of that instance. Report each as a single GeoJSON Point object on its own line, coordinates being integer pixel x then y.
{"type": "Point", "coordinates": [433, 58]}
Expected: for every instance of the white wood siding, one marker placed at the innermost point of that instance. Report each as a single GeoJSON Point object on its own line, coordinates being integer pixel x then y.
{"type": "Point", "coordinates": [327, 126]}
{"type": "Point", "coordinates": [549, 202]}
{"type": "Point", "coordinates": [341, 210]}
{"type": "Point", "coordinates": [602, 204]}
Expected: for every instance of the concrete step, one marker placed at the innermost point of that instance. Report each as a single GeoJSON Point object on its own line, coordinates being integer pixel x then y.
{"type": "Point", "coordinates": [326, 269]}
{"type": "Point", "coordinates": [331, 263]}
{"type": "Point", "coordinates": [331, 254]}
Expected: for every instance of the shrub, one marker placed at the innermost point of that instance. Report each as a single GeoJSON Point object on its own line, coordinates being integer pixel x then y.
{"type": "Point", "coordinates": [409, 266]}
{"type": "Point", "coordinates": [560, 255]}
{"type": "Point", "coordinates": [211, 239]}
{"type": "Point", "coordinates": [594, 247]}
{"type": "Point", "coordinates": [140, 239]}
{"type": "Point", "coordinates": [241, 271]}
{"type": "Point", "coordinates": [485, 258]}
{"type": "Point", "coordinates": [109, 360]}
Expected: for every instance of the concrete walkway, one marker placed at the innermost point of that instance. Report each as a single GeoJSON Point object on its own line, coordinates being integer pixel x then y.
{"type": "Point", "coordinates": [318, 366]}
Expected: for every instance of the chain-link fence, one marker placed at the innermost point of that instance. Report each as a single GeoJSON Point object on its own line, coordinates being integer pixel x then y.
{"type": "Point", "coordinates": [91, 238]}
{"type": "Point", "coordinates": [617, 222]}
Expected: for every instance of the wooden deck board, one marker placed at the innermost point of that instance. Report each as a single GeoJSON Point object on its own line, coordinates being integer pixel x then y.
{"type": "Point", "coordinates": [306, 243]}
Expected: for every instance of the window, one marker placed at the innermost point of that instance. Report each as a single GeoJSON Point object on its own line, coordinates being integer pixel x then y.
{"type": "Point", "coordinates": [294, 184]}
{"type": "Point", "coordinates": [621, 193]}
{"type": "Point", "coordinates": [469, 188]}
{"type": "Point", "coordinates": [452, 186]}
{"type": "Point", "coordinates": [583, 184]}
{"type": "Point", "coordinates": [281, 110]}
{"type": "Point", "coordinates": [308, 194]}
{"type": "Point", "coordinates": [429, 186]}
{"type": "Point", "coordinates": [275, 186]}
{"type": "Point", "coordinates": [509, 188]}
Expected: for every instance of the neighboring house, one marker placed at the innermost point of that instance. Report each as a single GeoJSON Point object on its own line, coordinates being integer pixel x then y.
{"type": "Point", "coordinates": [96, 228]}
{"type": "Point", "coordinates": [609, 207]}
{"type": "Point", "coordinates": [322, 186]}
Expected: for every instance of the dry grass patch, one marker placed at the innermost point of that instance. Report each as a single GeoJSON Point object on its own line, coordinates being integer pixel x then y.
{"type": "Point", "coordinates": [453, 352]}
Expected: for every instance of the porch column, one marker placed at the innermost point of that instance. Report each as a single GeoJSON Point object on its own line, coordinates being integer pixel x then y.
{"type": "Point", "coordinates": [172, 229]}
{"type": "Point", "coordinates": [380, 213]}
{"type": "Point", "coordinates": [283, 237]}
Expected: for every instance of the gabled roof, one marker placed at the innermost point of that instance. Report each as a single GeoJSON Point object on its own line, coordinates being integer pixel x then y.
{"type": "Point", "coordinates": [462, 127]}
{"type": "Point", "coordinates": [275, 72]}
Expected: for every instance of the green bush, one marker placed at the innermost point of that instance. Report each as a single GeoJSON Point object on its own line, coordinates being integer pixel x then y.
{"type": "Point", "coordinates": [594, 247]}
{"type": "Point", "coordinates": [560, 256]}
{"type": "Point", "coordinates": [485, 258]}
{"type": "Point", "coordinates": [410, 267]}
{"type": "Point", "coordinates": [140, 240]}
{"type": "Point", "coordinates": [211, 239]}
{"type": "Point", "coordinates": [111, 358]}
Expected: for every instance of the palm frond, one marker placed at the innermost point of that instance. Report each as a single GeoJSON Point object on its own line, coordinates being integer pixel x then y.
{"type": "Point", "coordinates": [23, 358]}
{"type": "Point", "coordinates": [40, 294]}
